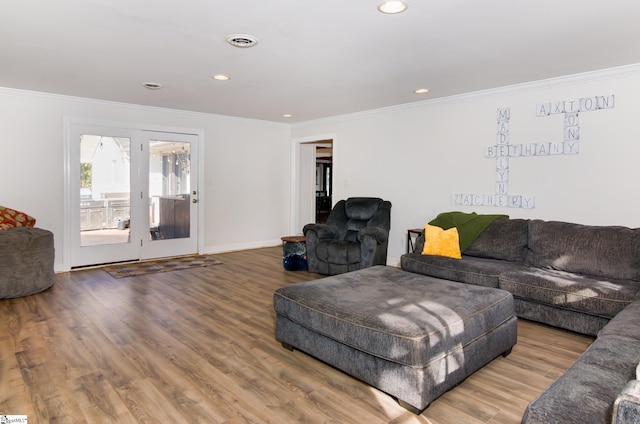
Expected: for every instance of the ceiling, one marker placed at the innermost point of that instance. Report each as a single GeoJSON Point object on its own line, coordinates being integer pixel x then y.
{"type": "Point", "coordinates": [314, 58]}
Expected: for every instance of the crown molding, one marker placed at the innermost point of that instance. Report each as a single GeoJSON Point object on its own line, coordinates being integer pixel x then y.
{"type": "Point", "coordinates": [585, 77]}
{"type": "Point", "coordinates": [132, 106]}
{"type": "Point", "coordinates": [591, 76]}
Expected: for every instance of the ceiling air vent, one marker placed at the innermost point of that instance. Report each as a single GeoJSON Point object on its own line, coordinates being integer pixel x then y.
{"type": "Point", "coordinates": [242, 40]}
{"type": "Point", "coordinates": [152, 85]}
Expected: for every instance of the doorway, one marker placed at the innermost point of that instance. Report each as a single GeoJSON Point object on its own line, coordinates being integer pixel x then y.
{"type": "Point", "coordinates": [324, 180]}
{"type": "Point", "coordinates": [131, 194]}
{"type": "Point", "coordinates": [312, 180]}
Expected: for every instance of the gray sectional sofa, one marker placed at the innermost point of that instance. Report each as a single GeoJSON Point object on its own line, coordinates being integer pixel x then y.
{"type": "Point", "coordinates": [578, 277]}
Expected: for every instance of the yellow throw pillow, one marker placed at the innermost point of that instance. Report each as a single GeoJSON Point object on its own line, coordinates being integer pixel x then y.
{"type": "Point", "coordinates": [441, 242]}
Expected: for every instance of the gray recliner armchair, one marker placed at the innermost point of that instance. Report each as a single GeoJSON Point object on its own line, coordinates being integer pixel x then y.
{"type": "Point", "coordinates": [355, 236]}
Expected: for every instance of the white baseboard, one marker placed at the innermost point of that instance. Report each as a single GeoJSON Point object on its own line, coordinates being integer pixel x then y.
{"type": "Point", "coordinates": [208, 250]}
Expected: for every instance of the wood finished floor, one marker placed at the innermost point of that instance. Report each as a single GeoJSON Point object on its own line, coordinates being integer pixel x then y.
{"type": "Point", "coordinates": [198, 346]}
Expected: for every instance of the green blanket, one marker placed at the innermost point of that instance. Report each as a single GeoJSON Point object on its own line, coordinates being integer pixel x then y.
{"type": "Point", "coordinates": [469, 225]}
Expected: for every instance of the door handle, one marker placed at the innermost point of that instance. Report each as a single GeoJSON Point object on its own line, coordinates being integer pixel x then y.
{"type": "Point", "coordinates": [195, 200]}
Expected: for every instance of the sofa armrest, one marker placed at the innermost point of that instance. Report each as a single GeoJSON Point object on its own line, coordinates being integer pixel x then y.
{"type": "Point", "coordinates": [626, 408]}
{"type": "Point", "coordinates": [378, 234]}
{"type": "Point", "coordinates": [321, 231]}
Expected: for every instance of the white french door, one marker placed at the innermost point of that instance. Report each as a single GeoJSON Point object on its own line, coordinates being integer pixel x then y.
{"type": "Point", "coordinates": [132, 194]}
{"type": "Point", "coordinates": [169, 191]}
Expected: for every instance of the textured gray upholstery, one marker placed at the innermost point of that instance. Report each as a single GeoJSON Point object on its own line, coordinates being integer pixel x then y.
{"type": "Point", "coordinates": [609, 252]}
{"type": "Point", "coordinates": [601, 387]}
{"type": "Point", "coordinates": [575, 292]}
{"type": "Point", "coordinates": [579, 277]}
{"type": "Point", "coordinates": [355, 236]}
{"type": "Point", "coordinates": [26, 261]}
{"type": "Point", "coordinates": [588, 273]}
{"type": "Point", "coordinates": [562, 318]}
{"type": "Point", "coordinates": [586, 392]}
{"type": "Point", "coordinates": [412, 336]}
{"type": "Point", "coordinates": [469, 270]}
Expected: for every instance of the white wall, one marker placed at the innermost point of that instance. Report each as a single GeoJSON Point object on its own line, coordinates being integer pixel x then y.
{"type": "Point", "coordinates": [415, 155]}
{"type": "Point", "coordinates": [246, 176]}
{"type": "Point", "coordinates": [418, 155]}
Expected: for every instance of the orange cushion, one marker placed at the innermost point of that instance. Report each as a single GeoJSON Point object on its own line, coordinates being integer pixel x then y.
{"type": "Point", "coordinates": [10, 218]}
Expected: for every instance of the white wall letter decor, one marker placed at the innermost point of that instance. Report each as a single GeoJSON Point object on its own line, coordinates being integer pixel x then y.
{"type": "Point", "coordinates": [515, 201]}
{"type": "Point", "coordinates": [502, 175]}
{"type": "Point", "coordinates": [542, 149]}
{"type": "Point", "coordinates": [503, 127]}
{"type": "Point", "coordinates": [571, 119]}
{"type": "Point", "coordinates": [504, 114]}
{"type": "Point", "coordinates": [588, 104]}
{"type": "Point", "coordinates": [557, 107]}
{"type": "Point", "coordinates": [571, 133]}
{"type": "Point", "coordinates": [606, 102]}
{"type": "Point", "coordinates": [571, 106]}
{"type": "Point", "coordinates": [502, 163]}
{"type": "Point", "coordinates": [543, 109]}
{"type": "Point", "coordinates": [502, 138]}
{"type": "Point", "coordinates": [503, 149]}
{"type": "Point", "coordinates": [571, 147]}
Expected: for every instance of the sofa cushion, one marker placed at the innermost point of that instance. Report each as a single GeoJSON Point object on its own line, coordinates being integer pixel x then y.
{"type": "Point", "coordinates": [470, 270]}
{"type": "Point", "coordinates": [610, 252]}
{"type": "Point", "coordinates": [338, 251]}
{"type": "Point", "coordinates": [574, 292]}
{"type": "Point", "coordinates": [583, 323]}
{"type": "Point", "coordinates": [504, 239]}
{"type": "Point", "coordinates": [585, 393]}
{"type": "Point", "coordinates": [624, 324]}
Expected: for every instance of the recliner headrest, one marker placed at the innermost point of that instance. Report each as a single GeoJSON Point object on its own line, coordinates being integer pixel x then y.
{"type": "Point", "coordinates": [362, 208]}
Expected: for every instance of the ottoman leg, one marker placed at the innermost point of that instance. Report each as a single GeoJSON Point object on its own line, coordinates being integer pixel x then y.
{"type": "Point", "coordinates": [410, 408]}
{"type": "Point", "coordinates": [287, 346]}
{"type": "Point", "coordinates": [506, 353]}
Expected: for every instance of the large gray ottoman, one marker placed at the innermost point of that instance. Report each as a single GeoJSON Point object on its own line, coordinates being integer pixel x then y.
{"type": "Point", "coordinates": [409, 335]}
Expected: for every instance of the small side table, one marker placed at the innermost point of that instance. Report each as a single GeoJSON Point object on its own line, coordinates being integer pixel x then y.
{"type": "Point", "coordinates": [294, 253]}
{"type": "Point", "coordinates": [411, 234]}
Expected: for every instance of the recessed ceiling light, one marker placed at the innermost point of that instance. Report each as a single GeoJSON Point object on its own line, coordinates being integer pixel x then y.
{"type": "Point", "coordinates": [287, 115]}
{"type": "Point", "coordinates": [152, 85]}
{"type": "Point", "coordinates": [242, 40]}
{"type": "Point", "coordinates": [421, 91]}
{"type": "Point", "coordinates": [221, 77]}
{"type": "Point", "coordinates": [394, 6]}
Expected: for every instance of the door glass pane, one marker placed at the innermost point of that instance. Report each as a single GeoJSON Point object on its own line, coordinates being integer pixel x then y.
{"type": "Point", "coordinates": [169, 189]}
{"type": "Point", "coordinates": [104, 189]}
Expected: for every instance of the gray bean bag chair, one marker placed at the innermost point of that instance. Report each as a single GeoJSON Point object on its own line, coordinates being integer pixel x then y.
{"type": "Point", "coordinates": [26, 261]}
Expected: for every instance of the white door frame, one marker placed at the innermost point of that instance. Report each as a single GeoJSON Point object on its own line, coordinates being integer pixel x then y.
{"type": "Point", "coordinates": [299, 210]}
{"type": "Point", "coordinates": [69, 123]}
